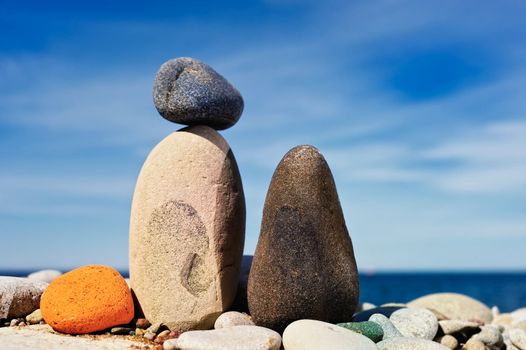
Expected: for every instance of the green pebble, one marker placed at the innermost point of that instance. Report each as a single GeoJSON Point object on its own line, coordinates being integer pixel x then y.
{"type": "Point", "coordinates": [369, 329]}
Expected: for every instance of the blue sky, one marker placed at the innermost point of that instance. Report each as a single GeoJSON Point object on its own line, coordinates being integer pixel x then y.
{"type": "Point", "coordinates": [418, 107]}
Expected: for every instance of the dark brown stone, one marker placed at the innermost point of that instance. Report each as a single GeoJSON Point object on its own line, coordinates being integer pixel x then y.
{"type": "Point", "coordinates": [304, 265]}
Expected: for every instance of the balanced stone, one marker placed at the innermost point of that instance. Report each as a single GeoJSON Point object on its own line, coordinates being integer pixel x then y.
{"type": "Point", "coordinates": [455, 307]}
{"type": "Point", "coordinates": [187, 230]}
{"type": "Point", "coordinates": [304, 265]}
{"type": "Point", "coordinates": [190, 92]}
{"type": "Point", "coordinates": [19, 296]}
{"type": "Point", "coordinates": [317, 335]}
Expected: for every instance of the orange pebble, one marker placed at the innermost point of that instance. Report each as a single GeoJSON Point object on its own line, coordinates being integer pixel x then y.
{"type": "Point", "coordinates": [88, 299]}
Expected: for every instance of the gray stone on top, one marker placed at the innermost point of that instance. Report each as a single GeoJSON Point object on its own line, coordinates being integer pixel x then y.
{"type": "Point", "coordinates": [190, 92]}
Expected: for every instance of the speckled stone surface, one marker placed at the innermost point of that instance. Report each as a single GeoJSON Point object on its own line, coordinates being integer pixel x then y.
{"type": "Point", "coordinates": [19, 296]}
{"type": "Point", "coordinates": [455, 306]}
{"type": "Point", "coordinates": [388, 327]}
{"type": "Point", "coordinates": [233, 318]}
{"type": "Point", "coordinates": [190, 92]}
{"type": "Point", "coordinates": [87, 299]}
{"type": "Point", "coordinates": [304, 265]}
{"type": "Point", "coordinates": [371, 330]}
{"type": "Point", "coordinates": [415, 322]}
{"type": "Point", "coordinates": [187, 230]}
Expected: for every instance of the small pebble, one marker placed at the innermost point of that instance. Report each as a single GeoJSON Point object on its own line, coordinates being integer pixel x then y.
{"type": "Point", "coordinates": [449, 341]}
{"type": "Point", "coordinates": [415, 322]}
{"type": "Point", "coordinates": [121, 330]}
{"type": "Point", "coordinates": [142, 323]}
{"type": "Point", "coordinates": [489, 335]}
{"type": "Point", "coordinates": [139, 331]}
{"type": "Point", "coordinates": [371, 330]}
{"type": "Point", "coordinates": [35, 317]}
{"type": "Point", "coordinates": [233, 318]}
{"type": "Point", "coordinates": [154, 328]}
{"type": "Point", "coordinates": [161, 337]}
{"type": "Point", "coordinates": [149, 335]}
{"type": "Point", "coordinates": [474, 344]}
{"type": "Point", "coordinates": [15, 321]}
{"type": "Point", "coordinates": [388, 327]}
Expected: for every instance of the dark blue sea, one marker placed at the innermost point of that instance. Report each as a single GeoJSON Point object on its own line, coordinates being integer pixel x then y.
{"type": "Point", "coordinates": [507, 290]}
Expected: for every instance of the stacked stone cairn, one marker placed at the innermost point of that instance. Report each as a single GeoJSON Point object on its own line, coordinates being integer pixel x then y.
{"type": "Point", "coordinates": [187, 231]}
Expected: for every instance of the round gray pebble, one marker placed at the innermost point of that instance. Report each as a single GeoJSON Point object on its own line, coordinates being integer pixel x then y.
{"type": "Point", "coordinates": [190, 92]}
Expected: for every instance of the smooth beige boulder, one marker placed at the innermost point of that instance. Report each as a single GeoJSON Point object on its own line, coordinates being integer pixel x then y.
{"type": "Point", "coordinates": [187, 230]}
{"type": "Point", "coordinates": [455, 307]}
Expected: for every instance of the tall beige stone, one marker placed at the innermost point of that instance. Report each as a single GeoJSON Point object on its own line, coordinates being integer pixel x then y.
{"type": "Point", "coordinates": [187, 230]}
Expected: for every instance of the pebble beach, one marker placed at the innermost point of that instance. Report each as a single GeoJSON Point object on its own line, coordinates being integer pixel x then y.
{"type": "Point", "coordinates": [188, 287]}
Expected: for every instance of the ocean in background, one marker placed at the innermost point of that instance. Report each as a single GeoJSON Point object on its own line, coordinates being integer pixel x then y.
{"type": "Point", "coordinates": [507, 290]}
